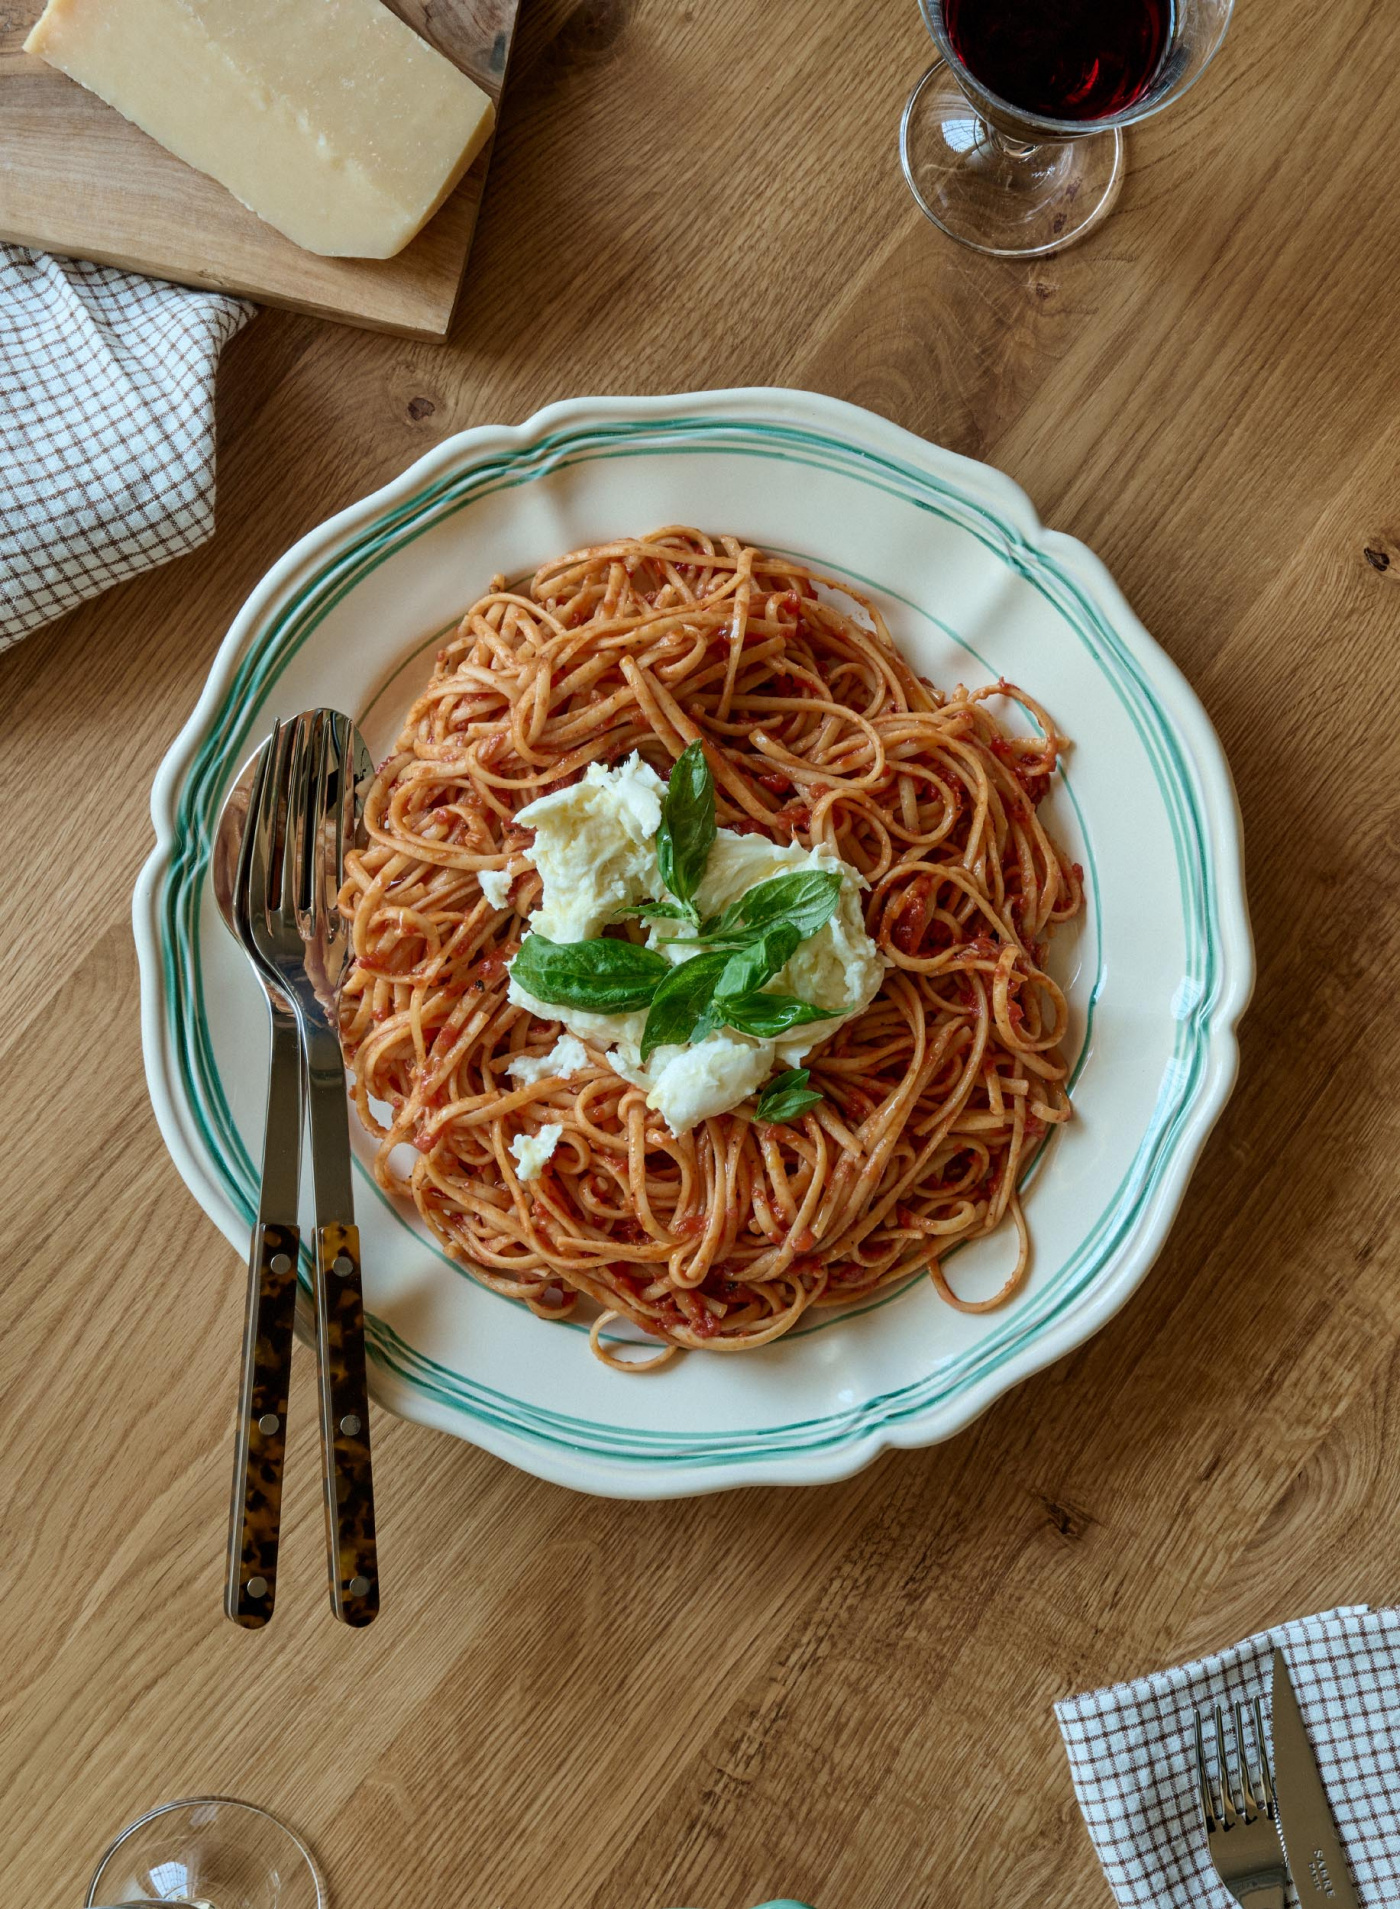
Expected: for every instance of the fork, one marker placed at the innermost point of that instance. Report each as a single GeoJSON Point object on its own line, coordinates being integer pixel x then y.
{"type": "Point", "coordinates": [1241, 1816]}
{"type": "Point", "coordinates": [315, 765]}
{"type": "Point", "coordinates": [255, 1514]}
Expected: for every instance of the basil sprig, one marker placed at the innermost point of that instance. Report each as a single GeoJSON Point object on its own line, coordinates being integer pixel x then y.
{"type": "Point", "coordinates": [766, 1016]}
{"type": "Point", "coordinates": [687, 832]}
{"type": "Point", "coordinates": [658, 911]}
{"type": "Point", "coordinates": [680, 1002]}
{"type": "Point", "coordinates": [787, 1097]}
{"type": "Point", "coordinates": [805, 900]}
{"type": "Point", "coordinates": [722, 989]}
{"type": "Point", "coordinates": [750, 966]}
{"type": "Point", "coordinates": [744, 972]}
{"type": "Point", "coordinates": [718, 988]}
{"type": "Point", "coordinates": [604, 976]}
{"type": "Point", "coordinates": [737, 952]}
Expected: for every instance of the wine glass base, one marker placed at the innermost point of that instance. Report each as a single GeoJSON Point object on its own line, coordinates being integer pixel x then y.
{"type": "Point", "coordinates": [994, 194]}
{"type": "Point", "coordinates": [209, 1849]}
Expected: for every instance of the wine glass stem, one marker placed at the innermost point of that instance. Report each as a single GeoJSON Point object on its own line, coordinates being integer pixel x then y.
{"type": "Point", "coordinates": [1014, 148]}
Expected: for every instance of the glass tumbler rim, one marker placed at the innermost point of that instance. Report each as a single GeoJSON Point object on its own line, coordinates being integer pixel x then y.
{"type": "Point", "coordinates": [1004, 110]}
{"type": "Point", "coordinates": [198, 1802]}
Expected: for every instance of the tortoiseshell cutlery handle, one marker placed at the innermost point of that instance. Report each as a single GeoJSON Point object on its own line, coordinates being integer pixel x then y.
{"type": "Point", "coordinates": [255, 1515]}
{"type": "Point", "coordinates": [255, 1525]}
{"type": "Point", "coordinates": [340, 1327]}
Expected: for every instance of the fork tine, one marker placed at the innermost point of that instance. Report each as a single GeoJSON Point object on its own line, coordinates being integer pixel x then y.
{"type": "Point", "coordinates": [265, 868]}
{"type": "Point", "coordinates": [344, 794]}
{"type": "Point", "coordinates": [1251, 1802]}
{"type": "Point", "coordinates": [247, 881]}
{"type": "Point", "coordinates": [295, 862]}
{"type": "Point", "coordinates": [1209, 1811]}
{"type": "Point", "coordinates": [1266, 1775]}
{"type": "Point", "coordinates": [314, 831]}
{"type": "Point", "coordinates": [328, 807]}
{"type": "Point", "coordinates": [1229, 1808]}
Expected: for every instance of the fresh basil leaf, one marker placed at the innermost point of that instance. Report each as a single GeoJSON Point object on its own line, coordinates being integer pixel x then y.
{"type": "Point", "coordinates": [706, 1025]}
{"type": "Point", "coordinates": [687, 832]}
{"type": "Point", "coordinates": [731, 922]}
{"type": "Point", "coordinates": [740, 938]}
{"type": "Point", "coordinates": [730, 929]}
{"type": "Point", "coordinates": [807, 898]}
{"type": "Point", "coordinates": [680, 1002]}
{"type": "Point", "coordinates": [749, 967]}
{"type": "Point", "coordinates": [664, 911]}
{"type": "Point", "coordinates": [768, 1015]}
{"type": "Point", "coordinates": [786, 1097]}
{"type": "Point", "coordinates": [605, 976]}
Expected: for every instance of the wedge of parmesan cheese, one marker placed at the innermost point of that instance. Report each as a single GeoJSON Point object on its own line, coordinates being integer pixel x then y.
{"type": "Point", "coordinates": [330, 119]}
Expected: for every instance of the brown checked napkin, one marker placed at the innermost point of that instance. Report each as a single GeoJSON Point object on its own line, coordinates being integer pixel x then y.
{"type": "Point", "coordinates": [1132, 1756]}
{"type": "Point", "coordinates": [106, 428]}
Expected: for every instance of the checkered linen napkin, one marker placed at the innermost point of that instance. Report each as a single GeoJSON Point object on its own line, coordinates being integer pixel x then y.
{"type": "Point", "coordinates": [1133, 1760]}
{"type": "Point", "coordinates": [106, 428]}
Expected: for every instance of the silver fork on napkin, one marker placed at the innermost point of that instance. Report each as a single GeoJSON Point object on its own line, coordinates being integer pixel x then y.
{"type": "Point", "coordinates": [1240, 1815]}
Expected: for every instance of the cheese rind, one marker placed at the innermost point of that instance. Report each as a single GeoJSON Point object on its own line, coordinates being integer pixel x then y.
{"type": "Point", "coordinates": [330, 119]}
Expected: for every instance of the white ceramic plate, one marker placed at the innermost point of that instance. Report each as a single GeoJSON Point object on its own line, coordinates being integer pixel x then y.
{"type": "Point", "coordinates": [974, 588]}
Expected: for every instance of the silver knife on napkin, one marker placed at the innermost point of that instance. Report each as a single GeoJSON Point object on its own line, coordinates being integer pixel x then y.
{"type": "Point", "coordinates": [1310, 1841]}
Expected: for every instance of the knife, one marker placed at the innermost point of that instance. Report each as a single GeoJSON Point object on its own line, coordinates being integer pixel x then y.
{"type": "Point", "coordinates": [1310, 1841]}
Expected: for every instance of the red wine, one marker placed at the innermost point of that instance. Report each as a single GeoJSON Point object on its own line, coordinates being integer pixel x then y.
{"type": "Point", "coordinates": [1061, 59]}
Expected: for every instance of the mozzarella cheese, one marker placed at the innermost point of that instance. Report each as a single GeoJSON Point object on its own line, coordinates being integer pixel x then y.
{"type": "Point", "coordinates": [693, 1083]}
{"type": "Point", "coordinates": [495, 885]}
{"type": "Point", "coordinates": [595, 848]}
{"type": "Point", "coordinates": [567, 1056]}
{"type": "Point", "coordinates": [840, 966]}
{"type": "Point", "coordinates": [595, 851]}
{"type": "Point", "coordinates": [532, 1150]}
{"type": "Point", "coordinates": [330, 119]}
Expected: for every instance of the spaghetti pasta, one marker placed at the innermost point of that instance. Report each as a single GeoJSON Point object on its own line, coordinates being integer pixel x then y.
{"type": "Point", "coordinates": [933, 1099]}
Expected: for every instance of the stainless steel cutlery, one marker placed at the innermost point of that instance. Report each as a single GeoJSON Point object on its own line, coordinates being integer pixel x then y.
{"type": "Point", "coordinates": [303, 812]}
{"type": "Point", "coordinates": [1268, 1823]}
{"type": "Point", "coordinates": [1238, 1809]}
{"type": "Point", "coordinates": [1305, 1818]}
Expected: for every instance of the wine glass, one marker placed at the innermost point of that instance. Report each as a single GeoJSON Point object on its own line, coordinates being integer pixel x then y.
{"type": "Point", "coordinates": [1021, 179]}
{"type": "Point", "coordinates": [207, 1852]}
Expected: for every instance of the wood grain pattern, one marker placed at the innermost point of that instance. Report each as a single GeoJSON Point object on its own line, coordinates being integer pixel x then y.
{"type": "Point", "coordinates": [77, 178]}
{"type": "Point", "coordinates": [841, 1694]}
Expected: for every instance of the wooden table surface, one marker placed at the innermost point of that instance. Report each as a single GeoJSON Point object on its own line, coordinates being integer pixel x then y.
{"type": "Point", "coordinates": [840, 1694]}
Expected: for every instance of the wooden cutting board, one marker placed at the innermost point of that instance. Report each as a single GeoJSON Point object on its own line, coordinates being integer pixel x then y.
{"type": "Point", "coordinates": [77, 178]}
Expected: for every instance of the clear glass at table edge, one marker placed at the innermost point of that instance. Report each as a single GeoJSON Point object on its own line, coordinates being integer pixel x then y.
{"type": "Point", "coordinates": [211, 1852]}
{"type": "Point", "coordinates": [1016, 184]}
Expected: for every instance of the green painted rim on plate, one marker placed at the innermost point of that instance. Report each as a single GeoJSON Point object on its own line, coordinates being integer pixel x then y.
{"type": "Point", "coordinates": [268, 653]}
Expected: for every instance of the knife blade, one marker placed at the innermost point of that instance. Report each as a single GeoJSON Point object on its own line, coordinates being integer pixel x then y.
{"type": "Point", "coordinates": [1310, 1841]}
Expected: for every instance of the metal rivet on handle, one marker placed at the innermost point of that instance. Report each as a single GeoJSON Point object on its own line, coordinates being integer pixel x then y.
{"type": "Point", "coordinates": [350, 1425]}
{"type": "Point", "coordinates": [257, 1587]}
{"type": "Point", "coordinates": [280, 1263]}
{"type": "Point", "coordinates": [343, 1264]}
{"type": "Point", "coordinates": [268, 1423]}
{"type": "Point", "coordinates": [358, 1586]}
